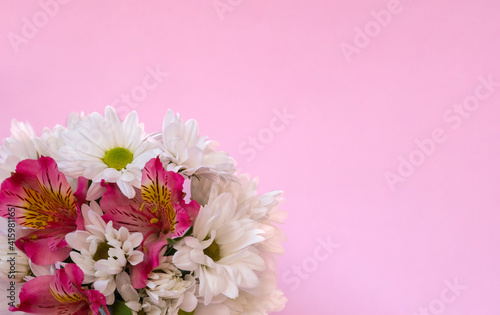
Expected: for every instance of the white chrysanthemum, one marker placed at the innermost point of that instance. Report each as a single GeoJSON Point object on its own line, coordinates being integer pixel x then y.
{"type": "Point", "coordinates": [221, 251]}
{"type": "Point", "coordinates": [262, 208]}
{"type": "Point", "coordinates": [187, 153]}
{"type": "Point", "coordinates": [104, 251]}
{"type": "Point", "coordinates": [103, 148]}
{"type": "Point", "coordinates": [51, 141]}
{"type": "Point", "coordinates": [23, 144]}
{"type": "Point", "coordinates": [166, 283]}
{"type": "Point", "coordinates": [138, 301]}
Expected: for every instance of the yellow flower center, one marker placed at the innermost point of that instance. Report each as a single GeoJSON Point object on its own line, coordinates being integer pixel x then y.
{"type": "Point", "coordinates": [65, 298]}
{"type": "Point", "coordinates": [181, 312]}
{"type": "Point", "coordinates": [118, 158]}
{"type": "Point", "coordinates": [213, 251]}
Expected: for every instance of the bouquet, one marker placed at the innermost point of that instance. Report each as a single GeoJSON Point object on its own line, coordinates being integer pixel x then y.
{"type": "Point", "coordinates": [100, 217]}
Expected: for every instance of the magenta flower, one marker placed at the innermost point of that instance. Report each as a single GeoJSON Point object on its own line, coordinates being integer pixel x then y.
{"type": "Point", "coordinates": [42, 200]}
{"type": "Point", "coordinates": [158, 212]}
{"type": "Point", "coordinates": [158, 209]}
{"type": "Point", "coordinates": [61, 293]}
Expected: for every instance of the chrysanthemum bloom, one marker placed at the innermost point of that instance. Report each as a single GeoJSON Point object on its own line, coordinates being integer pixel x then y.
{"type": "Point", "coordinates": [264, 210]}
{"type": "Point", "coordinates": [22, 144]}
{"type": "Point", "coordinates": [104, 251]}
{"type": "Point", "coordinates": [221, 251]}
{"type": "Point", "coordinates": [138, 302]}
{"type": "Point", "coordinates": [61, 294]}
{"type": "Point", "coordinates": [167, 292]}
{"type": "Point", "coordinates": [158, 212]}
{"type": "Point", "coordinates": [104, 148]}
{"type": "Point", "coordinates": [166, 283]}
{"type": "Point", "coordinates": [43, 201]}
{"type": "Point", "coordinates": [185, 152]}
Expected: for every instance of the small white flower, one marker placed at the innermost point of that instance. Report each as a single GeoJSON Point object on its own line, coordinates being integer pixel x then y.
{"type": "Point", "coordinates": [221, 251]}
{"type": "Point", "coordinates": [147, 306]}
{"type": "Point", "coordinates": [104, 251]}
{"type": "Point", "coordinates": [166, 283]}
{"type": "Point", "coordinates": [125, 288]}
{"type": "Point", "coordinates": [138, 302]}
{"type": "Point", "coordinates": [104, 148]}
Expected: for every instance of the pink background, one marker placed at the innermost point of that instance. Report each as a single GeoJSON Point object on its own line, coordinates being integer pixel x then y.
{"type": "Point", "coordinates": [352, 120]}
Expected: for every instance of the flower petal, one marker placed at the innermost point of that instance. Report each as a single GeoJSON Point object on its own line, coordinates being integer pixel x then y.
{"type": "Point", "coordinates": [40, 194]}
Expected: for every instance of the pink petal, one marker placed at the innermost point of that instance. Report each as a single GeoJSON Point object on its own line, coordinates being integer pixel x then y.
{"type": "Point", "coordinates": [192, 209]}
{"type": "Point", "coordinates": [155, 180]}
{"type": "Point", "coordinates": [129, 217]}
{"type": "Point", "coordinates": [75, 274]}
{"type": "Point", "coordinates": [123, 211]}
{"type": "Point", "coordinates": [97, 300]}
{"type": "Point", "coordinates": [81, 191]}
{"type": "Point", "coordinates": [36, 298]}
{"type": "Point", "coordinates": [183, 221]}
{"type": "Point", "coordinates": [163, 197]}
{"type": "Point", "coordinates": [114, 196]}
{"type": "Point", "coordinates": [43, 200]}
{"type": "Point", "coordinates": [60, 294]}
{"type": "Point", "coordinates": [44, 247]}
{"type": "Point", "coordinates": [139, 273]}
{"type": "Point", "coordinates": [40, 194]}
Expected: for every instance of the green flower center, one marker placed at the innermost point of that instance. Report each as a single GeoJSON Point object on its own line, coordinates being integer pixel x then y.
{"type": "Point", "coordinates": [118, 158]}
{"type": "Point", "coordinates": [101, 252]}
{"type": "Point", "coordinates": [213, 251]}
{"type": "Point", "coordinates": [181, 312]}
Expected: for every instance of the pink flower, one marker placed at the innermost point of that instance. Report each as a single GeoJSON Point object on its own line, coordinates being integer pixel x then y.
{"type": "Point", "coordinates": [61, 293]}
{"type": "Point", "coordinates": [43, 201]}
{"type": "Point", "coordinates": [158, 212]}
{"type": "Point", "coordinates": [139, 273]}
{"type": "Point", "coordinates": [158, 209]}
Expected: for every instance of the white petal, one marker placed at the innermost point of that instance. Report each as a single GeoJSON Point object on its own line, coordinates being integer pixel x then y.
{"type": "Point", "coordinates": [126, 188]}
{"type": "Point", "coordinates": [78, 240]}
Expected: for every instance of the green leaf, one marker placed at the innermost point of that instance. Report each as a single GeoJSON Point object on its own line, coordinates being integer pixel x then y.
{"type": "Point", "coordinates": [120, 308]}
{"type": "Point", "coordinates": [178, 239]}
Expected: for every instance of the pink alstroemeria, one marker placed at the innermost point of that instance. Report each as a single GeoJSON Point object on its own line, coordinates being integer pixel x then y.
{"type": "Point", "coordinates": [158, 212]}
{"type": "Point", "coordinates": [43, 201]}
{"type": "Point", "coordinates": [61, 293]}
{"type": "Point", "coordinates": [159, 209]}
